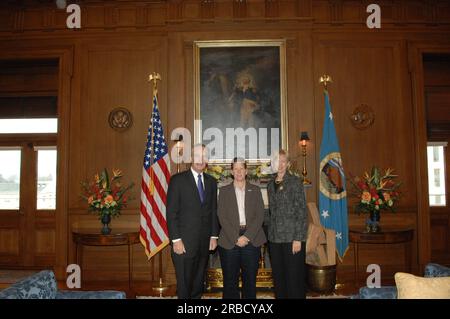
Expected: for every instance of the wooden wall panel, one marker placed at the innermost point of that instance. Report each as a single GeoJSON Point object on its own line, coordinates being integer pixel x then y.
{"type": "Point", "coordinates": [45, 242]}
{"type": "Point", "coordinates": [368, 72]}
{"type": "Point", "coordinates": [438, 102]}
{"type": "Point", "coordinates": [9, 241]}
{"type": "Point", "coordinates": [116, 75]}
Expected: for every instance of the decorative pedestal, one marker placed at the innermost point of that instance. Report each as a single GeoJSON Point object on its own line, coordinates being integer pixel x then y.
{"type": "Point", "coordinates": [214, 276]}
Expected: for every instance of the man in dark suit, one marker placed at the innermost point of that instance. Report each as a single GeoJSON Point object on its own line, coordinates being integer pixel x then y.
{"type": "Point", "coordinates": [192, 223]}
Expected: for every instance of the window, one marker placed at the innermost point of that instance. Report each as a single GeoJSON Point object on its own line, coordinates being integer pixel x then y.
{"type": "Point", "coordinates": [48, 125]}
{"type": "Point", "coordinates": [46, 181]}
{"type": "Point", "coordinates": [10, 178]}
{"type": "Point", "coordinates": [436, 173]}
{"type": "Point", "coordinates": [437, 177]}
{"type": "Point", "coordinates": [435, 154]}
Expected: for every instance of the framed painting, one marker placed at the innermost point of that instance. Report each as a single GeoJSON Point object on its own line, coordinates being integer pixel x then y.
{"type": "Point", "coordinates": [240, 98]}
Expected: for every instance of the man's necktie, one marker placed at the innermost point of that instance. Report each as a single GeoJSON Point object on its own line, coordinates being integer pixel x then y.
{"type": "Point", "coordinates": [201, 191]}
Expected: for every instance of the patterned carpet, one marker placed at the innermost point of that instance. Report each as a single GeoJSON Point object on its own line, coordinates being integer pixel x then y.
{"type": "Point", "coordinates": [260, 295]}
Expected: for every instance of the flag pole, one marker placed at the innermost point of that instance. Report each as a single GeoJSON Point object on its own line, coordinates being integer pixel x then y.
{"type": "Point", "coordinates": [154, 77]}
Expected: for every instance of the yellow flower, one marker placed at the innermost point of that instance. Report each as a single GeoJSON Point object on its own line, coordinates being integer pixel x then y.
{"type": "Point", "coordinates": [97, 178]}
{"type": "Point", "coordinates": [117, 172]}
{"type": "Point", "coordinates": [217, 169]}
{"type": "Point", "coordinates": [386, 196]}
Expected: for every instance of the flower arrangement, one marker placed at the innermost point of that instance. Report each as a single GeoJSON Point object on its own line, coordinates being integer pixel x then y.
{"type": "Point", "coordinates": [376, 191]}
{"type": "Point", "coordinates": [218, 172]}
{"type": "Point", "coordinates": [104, 195]}
{"type": "Point", "coordinates": [260, 172]}
{"type": "Point", "coordinates": [222, 174]}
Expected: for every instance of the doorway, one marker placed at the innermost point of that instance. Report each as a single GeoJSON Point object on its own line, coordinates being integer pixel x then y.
{"type": "Point", "coordinates": [436, 70]}
{"type": "Point", "coordinates": [28, 157]}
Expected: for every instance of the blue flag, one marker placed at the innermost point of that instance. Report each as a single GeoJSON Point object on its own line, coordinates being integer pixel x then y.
{"type": "Point", "coordinates": [332, 193]}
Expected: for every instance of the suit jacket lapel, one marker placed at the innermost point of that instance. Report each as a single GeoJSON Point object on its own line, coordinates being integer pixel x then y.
{"type": "Point", "coordinates": [247, 201]}
{"type": "Point", "coordinates": [233, 202]}
{"type": "Point", "coordinates": [206, 185]}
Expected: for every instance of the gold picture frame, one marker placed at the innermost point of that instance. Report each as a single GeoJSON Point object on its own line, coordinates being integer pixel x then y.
{"type": "Point", "coordinates": [241, 84]}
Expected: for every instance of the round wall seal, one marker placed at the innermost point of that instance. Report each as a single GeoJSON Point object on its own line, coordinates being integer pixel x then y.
{"type": "Point", "coordinates": [362, 117]}
{"type": "Point", "coordinates": [120, 119]}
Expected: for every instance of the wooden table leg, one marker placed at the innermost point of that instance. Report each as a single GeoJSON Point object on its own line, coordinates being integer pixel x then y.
{"type": "Point", "coordinates": [80, 262]}
{"type": "Point", "coordinates": [356, 262]}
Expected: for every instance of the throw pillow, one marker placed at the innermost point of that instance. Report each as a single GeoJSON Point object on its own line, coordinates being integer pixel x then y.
{"type": "Point", "coordinates": [413, 287]}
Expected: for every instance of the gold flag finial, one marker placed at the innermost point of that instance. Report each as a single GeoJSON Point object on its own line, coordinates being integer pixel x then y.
{"type": "Point", "coordinates": [154, 77]}
{"type": "Point", "coordinates": [325, 79]}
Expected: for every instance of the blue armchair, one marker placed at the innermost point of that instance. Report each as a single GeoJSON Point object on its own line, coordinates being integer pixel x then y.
{"type": "Point", "coordinates": [42, 285]}
{"type": "Point", "coordinates": [390, 292]}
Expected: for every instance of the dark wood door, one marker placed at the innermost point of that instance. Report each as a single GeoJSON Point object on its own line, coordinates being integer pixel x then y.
{"type": "Point", "coordinates": [27, 229]}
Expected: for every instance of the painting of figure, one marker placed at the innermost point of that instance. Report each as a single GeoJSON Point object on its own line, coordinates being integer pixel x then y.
{"type": "Point", "coordinates": [241, 85]}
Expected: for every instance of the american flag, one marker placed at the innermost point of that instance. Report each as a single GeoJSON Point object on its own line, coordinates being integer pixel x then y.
{"type": "Point", "coordinates": [155, 180]}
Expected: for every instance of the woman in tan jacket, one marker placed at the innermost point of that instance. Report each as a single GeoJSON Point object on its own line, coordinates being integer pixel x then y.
{"type": "Point", "coordinates": [241, 215]}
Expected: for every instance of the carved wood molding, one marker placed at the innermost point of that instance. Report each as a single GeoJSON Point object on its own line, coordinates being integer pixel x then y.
{"type": "Point", "coordinates": [336, 7]}
{"type": "Point", "coordinates": [239, 9]}
{"type": "Point", "coordinates": [272, 8]}
{"type": "Point", "coordinates": [207, 8]}
{"type": "Point", "coordinates": [157, 14]}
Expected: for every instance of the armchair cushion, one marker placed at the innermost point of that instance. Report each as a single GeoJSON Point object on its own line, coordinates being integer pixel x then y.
{"type": "Point", "coordinates": [413, 287]}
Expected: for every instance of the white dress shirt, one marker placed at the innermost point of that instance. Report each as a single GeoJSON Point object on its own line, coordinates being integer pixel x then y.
{"type": "Point", "coordinates": [240, 198]}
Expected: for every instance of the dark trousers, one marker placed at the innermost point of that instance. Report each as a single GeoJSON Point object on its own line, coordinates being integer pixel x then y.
{"type": "Point", "coordinates": [288, 271]}
{"type": "Point", "coordinates": [236, 259]}
{"type": "Point", "coordinates": [190, 273]}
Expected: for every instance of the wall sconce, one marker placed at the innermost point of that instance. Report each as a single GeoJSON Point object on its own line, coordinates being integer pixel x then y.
{"type": "Point", "coordinates": [304, 138]}
{"type": "Point", "coordinates": [179, 145]}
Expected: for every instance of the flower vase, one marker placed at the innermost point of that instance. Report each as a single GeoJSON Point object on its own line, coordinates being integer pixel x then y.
{"type": "Point", "coordinates": [106, 219]}
{"type": "Point", "coordinates": [373, 222]}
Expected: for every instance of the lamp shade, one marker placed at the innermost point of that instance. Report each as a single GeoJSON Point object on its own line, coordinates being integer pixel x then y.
{"type": "Point", "coordinates": [304, 136]}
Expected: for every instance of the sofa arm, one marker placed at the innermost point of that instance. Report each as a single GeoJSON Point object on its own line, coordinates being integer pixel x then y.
{"type": "Point", "coordinates": [436, 270]}
{"type": "Point", "coordinates": [41, 285]}
{"type": "Point", "coordinates": [386, 292]}
{"type": "Point", "coordinates": [101, 294]}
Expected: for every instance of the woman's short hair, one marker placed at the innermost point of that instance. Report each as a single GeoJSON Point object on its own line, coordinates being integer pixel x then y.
{"type": "Point", "coordinates": [238, 160]}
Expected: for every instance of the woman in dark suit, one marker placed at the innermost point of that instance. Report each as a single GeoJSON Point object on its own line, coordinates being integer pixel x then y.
{"type": "Point", "coordinates": [287, 228]}
{"type": "Point", "coordinates": [240, 211]}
